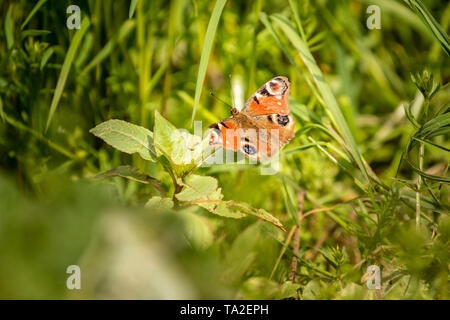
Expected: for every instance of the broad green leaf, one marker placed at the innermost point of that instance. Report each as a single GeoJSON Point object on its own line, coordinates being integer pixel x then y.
{"type": "Point", "coordinates": [224, 209]}
{"type": "Point", "coordinates": [258, 288]}
{"type": "Point", "coordinates": [197, 229]}
{"type": "Point", "coordinates": [263, 288]}
{"type": "Point", "coordinates": [127, 137]}
{"type": "Point", "coordinates": [159, 203]}
{"type": "Point", "coordinates": [197, 187]}
{"type": "Point", "coordinates": [312, 290]}
{"type": "Point", "coordinates": [168, 139]}
{"type": "Point", "coordinates": [241, 255]}
{"type": "Point", "coordinates": [353, 291]}
{"type": "Point", "coordinates": [264, 215]}
{"type": "Point", "coordinates": [204, 192]}
{"type": "Point", "coordinates": [288, 290]}
{"type": "Point", "coordinates": [182, 149]}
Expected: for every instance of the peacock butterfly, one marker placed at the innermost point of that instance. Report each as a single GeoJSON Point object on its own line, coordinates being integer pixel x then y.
{"type": "Point", "coordinates": [262, 127]}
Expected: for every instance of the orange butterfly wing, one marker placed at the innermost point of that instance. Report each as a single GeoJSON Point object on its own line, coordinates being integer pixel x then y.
{"type": "Point", "coordinates": [262, 127]}
{"type": "Point", "coordinates": [272, 97]}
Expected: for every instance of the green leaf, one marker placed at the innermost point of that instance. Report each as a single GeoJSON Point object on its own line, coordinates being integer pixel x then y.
{"type": "Point", "coordinates": [166, 138]}
{"type": "Point", "coordinates": [68, 60]}
{"type": "Point", "coordinates": [183, 150]}
{"type": "Point", "coordinates": [131, 173]}
{"type": "Point", "coordinates": [353, 291]}
{"type": "Point", "coordinates": [257, 288]}
{"type": "Point", "coordinates": [226, 209]}
{"type": "Point", "coordinates": [241, 255]}
{"type": "Point", "coordinates": [264, 215]}
{"type": "Point", "coordinates": [127, 137]}
{"type": "Point", "coordinates": [159, 203]}
{"type": "Point", "coordinates": [197, 229]}
{"type": "Point", "coordinates": [206, 51]}
{"type": "Point", "coordinates": [197, 187]}
{"type": "Point", "coordinates": [313, 290]}
{"type": "Point", "coordinates": [204, 192]}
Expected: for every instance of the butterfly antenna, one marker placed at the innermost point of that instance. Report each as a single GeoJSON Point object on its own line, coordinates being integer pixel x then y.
{"type": "Point", "coordinates": [214, 96]}
{"type": "Point", "coordinates": [231, 88]}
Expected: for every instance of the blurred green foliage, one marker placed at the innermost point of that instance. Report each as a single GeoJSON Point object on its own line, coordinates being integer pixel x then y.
{"type": "Point", "coordinates": [371, 150]}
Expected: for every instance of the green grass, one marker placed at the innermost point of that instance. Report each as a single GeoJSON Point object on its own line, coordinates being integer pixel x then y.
{"type": "Point", "coordinates": [364, 182]}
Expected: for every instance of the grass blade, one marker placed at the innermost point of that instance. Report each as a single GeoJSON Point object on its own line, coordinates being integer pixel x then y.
{"type": "Point", "coordinates": [291, 206]}
{"type": "Point", "coordinates": [123, 33]}
{"type": "Point", "coordinates": [132, 8]}
{"type": "Point", "coordinates": [207, 45]}
{"type": "Point", "coordinates": [428, 20]}
{"type": "Point", "coordinates": [333, 110]}
{"type": "Point", "coordinates": [76, 41]}
{"type": "Point", "coordinates": [2, 112]}
{"type": "Point", "coordinates": [8, 29]}
{"type": "Point", "coordinates": [33, 12]}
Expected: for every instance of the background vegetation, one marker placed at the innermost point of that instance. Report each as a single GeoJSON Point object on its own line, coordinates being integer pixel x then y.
{"type": "Point", "coordinates": [364, 182]}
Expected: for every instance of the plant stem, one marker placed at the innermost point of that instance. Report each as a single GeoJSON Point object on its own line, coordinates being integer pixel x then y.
{"type": "Point", "coordinates": [419, 184]}
{"type": "Point", "coordinates": [421, 156]}
{"type": "Point", "coordinates": [301, 199]}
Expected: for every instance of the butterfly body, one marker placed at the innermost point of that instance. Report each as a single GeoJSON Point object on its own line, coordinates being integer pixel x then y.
{"type": "Point", "coordinates": [262, 127]}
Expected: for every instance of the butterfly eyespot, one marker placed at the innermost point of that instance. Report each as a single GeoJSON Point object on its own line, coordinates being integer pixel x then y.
{"type": "Point", "coordinates": [282, 120]}
{"type": "Point", "coordinates": [276, 86]}
{"type": "Point", "coordinates": [248, 149]}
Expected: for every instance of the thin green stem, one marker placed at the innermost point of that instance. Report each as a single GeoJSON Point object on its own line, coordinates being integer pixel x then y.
{"type": "Point", "coordinates": [421, 157]}
{"type": "Point", "coordinates": [419, 185]}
